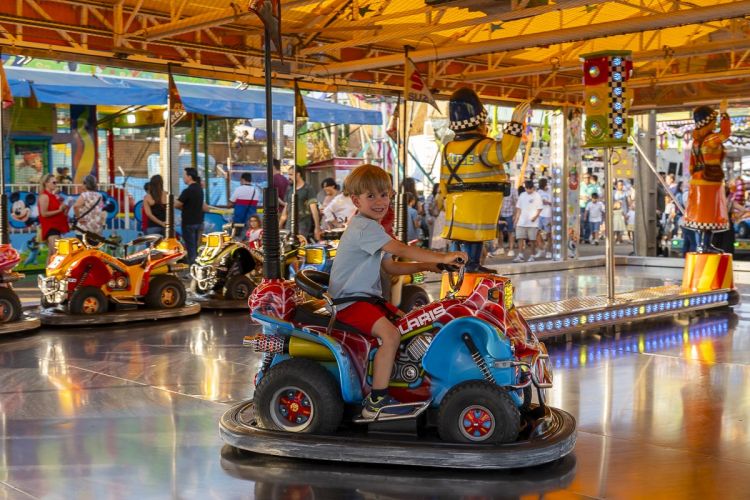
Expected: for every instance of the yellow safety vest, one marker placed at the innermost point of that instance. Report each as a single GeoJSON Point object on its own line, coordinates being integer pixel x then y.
{"type": "Point", "coordinates": [473, 192]}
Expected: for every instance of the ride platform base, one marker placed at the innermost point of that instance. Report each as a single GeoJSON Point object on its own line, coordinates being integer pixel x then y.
{"type": "Point", "coordinates": [25, 324]}
{"type": "Point", "coordinates": [57, 317]}
{"type": "Point", "coordinates": [213, 301]}
{"type": "Point", "coordinates": [549, 437]}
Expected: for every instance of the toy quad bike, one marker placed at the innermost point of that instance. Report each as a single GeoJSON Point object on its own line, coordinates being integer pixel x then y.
{"type": "Point", "coordinates": [86, 280]}
{"type": "Point", "coordinates": [10, 304]}
{"type": "Point", "coordinates": [467, 363]}
{"type": "Point", "coordinates": [226, 265]}
{"type": "Point", "coordinates": [317, 256]}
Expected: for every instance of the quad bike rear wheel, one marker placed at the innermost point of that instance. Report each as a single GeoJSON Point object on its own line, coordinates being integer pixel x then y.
{"type": "Point", "coordinates": [478, 412]}
{"type": "Point", "coordinates": [238, 287]}
{"type": "Point", "coordinates": [413, 297]}
{"type": "Point", "coordinates": [299, 395]}
{"type": "Point", "coordinates": [165, 292]}
{"type": "Point", "coordinates": [88, 300]}
{"type": "Point", "coordinates": [10, 305]}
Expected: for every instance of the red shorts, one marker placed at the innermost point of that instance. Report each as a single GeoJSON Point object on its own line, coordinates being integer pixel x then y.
{"type": "Point", "coordinates": [363, 315]}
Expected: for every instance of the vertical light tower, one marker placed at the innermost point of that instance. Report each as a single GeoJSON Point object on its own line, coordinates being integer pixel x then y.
{"type": "Point", "coordinates": [606, 100]}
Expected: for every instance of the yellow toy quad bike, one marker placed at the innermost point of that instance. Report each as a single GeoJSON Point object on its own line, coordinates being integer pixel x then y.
{"type": "Point", "coordinates": [86, 280]}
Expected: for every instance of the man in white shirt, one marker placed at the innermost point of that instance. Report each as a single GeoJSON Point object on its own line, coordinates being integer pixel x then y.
{"type": "Point", "coordinates": [526, 220]}
{"type": "Point", "coordinates": [544, 241]}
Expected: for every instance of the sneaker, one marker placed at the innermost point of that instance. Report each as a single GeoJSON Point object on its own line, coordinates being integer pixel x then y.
{"type": "Point", "coordinates": [519, 258]}
{"type": "Point", "coordinates": [596, 242]}
{"type": "Point", "coordinates": [511, 253]}
{"type": "Point", "coordinates": [371, 408]}
{"type": "Point", "coordinates": [548, 255]}
{"type": "Point", "coordinates": [498, 252]}
{"type": "Point", "coordinates": [531, 259]}
{"type": "Point", "coordinates": [539, 254]}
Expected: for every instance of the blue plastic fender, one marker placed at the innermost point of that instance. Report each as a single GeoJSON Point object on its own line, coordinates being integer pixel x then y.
{"type": "Point", "coordinates": [448, 360]}
{"type": "Point", "coordinates": [344, 371]}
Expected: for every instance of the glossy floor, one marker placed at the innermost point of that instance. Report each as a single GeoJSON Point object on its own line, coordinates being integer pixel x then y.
{"type": "Point", "coordinates": [132, 412]}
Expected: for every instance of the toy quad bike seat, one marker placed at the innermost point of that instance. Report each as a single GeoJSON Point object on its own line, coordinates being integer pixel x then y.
{"type": "Point", "coordinates": [314, 312]}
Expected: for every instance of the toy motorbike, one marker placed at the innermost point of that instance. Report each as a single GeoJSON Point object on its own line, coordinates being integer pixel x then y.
{"type": "Point", "coordinates": [86, 280]}
{"type": "Point", "coordinates": [467, 363]}
{"type": "Point", "coordinates": [226, 265]}
{"type": "Point", "coordinates": [10, 304]}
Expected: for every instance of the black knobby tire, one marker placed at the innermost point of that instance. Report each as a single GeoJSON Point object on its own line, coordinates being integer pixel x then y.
{"type": "Point", "coordinates": [46, 303]}
{"type": "Point", "coordinates": [412, 297]}
{"type": "Point", "coordinates": [319, 407]}
{"type": "Point", "coordinates": [238, 287]}
{"type": "Point", "coordinates": [10, 305]}
{"type": "Point", "coordinates": [88, 300]}
{"type": "Point", "coordinates": [165, 292]}
{"type": "Point", "coordinates": [478, 412]}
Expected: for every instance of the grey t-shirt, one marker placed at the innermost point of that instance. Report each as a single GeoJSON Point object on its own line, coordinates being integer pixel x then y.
{"type": "Point", "coordinates": [356, 269]}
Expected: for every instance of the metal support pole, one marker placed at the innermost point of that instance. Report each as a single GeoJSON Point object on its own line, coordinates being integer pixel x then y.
{"type": "Point", "coordinates": [4, 236]}
{"type": "Point", "coordinates": [169, 229]}
{"type": "Point", "coordinates": [610, 243]}
{"type": "Point", "coordinates": [205, 158]}
{"type": "Point", "coordinates": [194, 142]}
{"type": "Point", "coordinates": [645, 188]}
{"type": "Point", "coordinates": [110, 156]}
{"type": "Point", "coordinates": [271, 262]}
{"type": "Point", "coordinates": [401, 205]}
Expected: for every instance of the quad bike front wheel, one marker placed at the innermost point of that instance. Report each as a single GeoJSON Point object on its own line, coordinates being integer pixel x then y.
{"type": "Point", "coordinates": [478, 412]}
{"type": "Point", "coordinates": [10, 305]}
{"type": "Point", "coordinates": [88, 300]}
{"type": "Point", "coordinates": [299, 395]}
{"type": "Point", "coordinates": [165, 292]}
{"type": "Point", "coordinates": [238, 287]}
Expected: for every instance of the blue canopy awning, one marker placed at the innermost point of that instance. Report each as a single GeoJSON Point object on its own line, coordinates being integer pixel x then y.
{"type": "Point", "coordinates": [60, 87]}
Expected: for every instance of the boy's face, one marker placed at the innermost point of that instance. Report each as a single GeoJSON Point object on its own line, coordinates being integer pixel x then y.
{"type": "Point", "coordinates": [372, 205]}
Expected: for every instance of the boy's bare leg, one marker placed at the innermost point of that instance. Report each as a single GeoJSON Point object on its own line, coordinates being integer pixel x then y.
{"type": "Point", "coordinates": [385, 357]}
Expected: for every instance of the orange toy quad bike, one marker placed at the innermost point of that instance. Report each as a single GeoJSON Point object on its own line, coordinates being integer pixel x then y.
{"type": "Point", "coordinates": [10, 304]}
{"type": "Point", "coordinates": [86, 280]}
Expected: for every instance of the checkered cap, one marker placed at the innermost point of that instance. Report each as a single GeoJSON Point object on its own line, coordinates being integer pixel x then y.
{"type": "Point", "coordinates": [514, 128]}
{"type": "Point", "coordinates": [707, 120]}
{"type": "Point", "coordinates": [470, 123]}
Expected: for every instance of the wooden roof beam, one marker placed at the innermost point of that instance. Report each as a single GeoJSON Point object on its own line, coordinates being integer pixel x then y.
{"type": "Point", "coordinates": [665, 53]}
{"type": "Point", "coordinates": [632, 25]}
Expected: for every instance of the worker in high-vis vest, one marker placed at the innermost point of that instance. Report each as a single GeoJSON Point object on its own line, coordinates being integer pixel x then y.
{"type": "Point", "coordinates": [472, 179]}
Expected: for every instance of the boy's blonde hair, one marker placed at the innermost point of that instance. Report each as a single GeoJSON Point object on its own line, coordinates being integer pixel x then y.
{"type": "Point", "coordinates": [367, 178]}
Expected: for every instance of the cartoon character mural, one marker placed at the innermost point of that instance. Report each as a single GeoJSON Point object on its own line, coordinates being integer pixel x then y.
{"type": "Point", "coordinates": [24, 212]}
{"type": "Point", "coordinates": [24, 222]}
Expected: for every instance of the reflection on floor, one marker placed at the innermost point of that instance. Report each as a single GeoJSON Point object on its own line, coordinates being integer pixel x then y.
{"type": "Point", "coordinates": [662, 409]}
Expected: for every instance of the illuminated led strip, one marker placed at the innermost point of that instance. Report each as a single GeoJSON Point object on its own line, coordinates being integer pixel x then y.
{"type": "Point", "coordinates": [625, 313]}
{"type": "Point", "coordinates": [557, 184]}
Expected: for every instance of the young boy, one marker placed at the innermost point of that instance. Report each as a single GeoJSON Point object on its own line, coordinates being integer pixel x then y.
{"type": "Point", "coordinates": [356, 273]}
{"type": "Point", "coordinates": [595, 216]}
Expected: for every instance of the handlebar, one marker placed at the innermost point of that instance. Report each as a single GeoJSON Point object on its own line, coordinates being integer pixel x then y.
{"type": "Point", "coordinates": [92, 239]}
